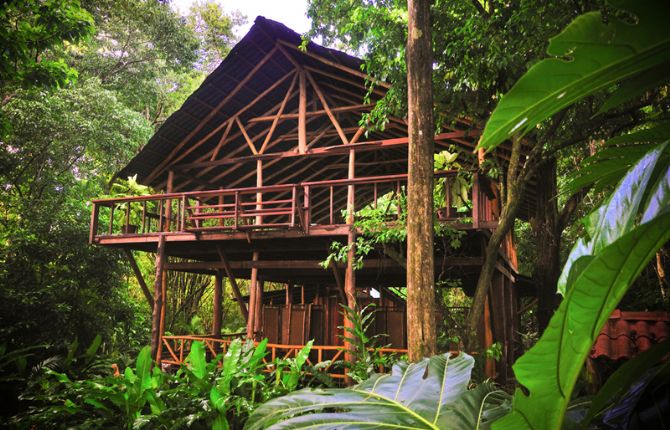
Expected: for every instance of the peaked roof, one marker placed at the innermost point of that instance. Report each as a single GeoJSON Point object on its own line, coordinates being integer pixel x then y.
{"type": "Point", "coordinates": [200, 112]}
{"type": "Point", "coordinates": [231, 115]}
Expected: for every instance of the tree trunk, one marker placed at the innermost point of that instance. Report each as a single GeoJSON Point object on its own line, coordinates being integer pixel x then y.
{"type": "Point", "coordinates": [421, 324]}
{"type": "Point", "coordinates": [548, 239]}
{"type": "Point", "coordinates": [514, 188]}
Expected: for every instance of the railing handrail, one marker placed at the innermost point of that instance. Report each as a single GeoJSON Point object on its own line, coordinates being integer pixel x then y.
{"type": "Point", "coordinates": [281, 345]}
{"type": "Point", "coordinates": [267, 188]}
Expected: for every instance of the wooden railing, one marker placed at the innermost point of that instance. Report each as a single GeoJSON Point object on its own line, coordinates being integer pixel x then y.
{"type": "Point", "coordinates": [269, 207]}
{"type": "Point", "coordinates": [176, 349]}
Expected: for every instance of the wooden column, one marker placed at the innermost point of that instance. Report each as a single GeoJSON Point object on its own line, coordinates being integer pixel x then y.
{"type": "Point", "coordinates": [259, 195]}
{"type": "Point", "coordinates": [350, 274]}
{"type": "Point", "coordinates": [421, 315]}
{"type": "Point", "coordinates": [218, 294]}
{"type": "Point", "coordinates": [302, 111]}
{"type": "Point", "coordinates": [258, 312]}
{"type": "Point", "coordinates": [289, 293]}
{"type": "Point", "coordinates": [156, 337]}
{"type": "Point", "coordinates": [252, 298]}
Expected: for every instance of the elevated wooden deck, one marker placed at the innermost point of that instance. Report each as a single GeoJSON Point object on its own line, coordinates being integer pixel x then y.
{"type": "Point", "coordinates": [307, 209]}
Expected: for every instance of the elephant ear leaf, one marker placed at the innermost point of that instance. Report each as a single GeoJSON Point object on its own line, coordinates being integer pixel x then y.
{"type": "Point", "coordinates": [588, 56]}
{"type": "Point", "coordinates": [415, 396]}
{"type": "Point", "coordinates": [550, 368]}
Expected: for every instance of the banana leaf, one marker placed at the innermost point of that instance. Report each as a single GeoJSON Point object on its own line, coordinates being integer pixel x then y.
{"type": "Point", "coordinates": [588, 56]}
{"type": "Point", "coordinates": [616, 217]}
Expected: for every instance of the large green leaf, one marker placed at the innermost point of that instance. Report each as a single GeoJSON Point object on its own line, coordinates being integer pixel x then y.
{"type": "Point", "coordinates": [197, 360]}
{"type": "Point", "coordinates": [588, 56]}
{"type": "Point", "coordinates": [616, 217]}
{"type": "Point", "coordinates": [609, 164]}
{"type": "Point", "coordinates": [548, 371]}
{"type": "Point", "coordinates": [430, 394]}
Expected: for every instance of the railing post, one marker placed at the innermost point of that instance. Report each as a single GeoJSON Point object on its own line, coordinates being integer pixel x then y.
{"type": "Point", "coordinates": [160, 215]}
{"type": "Point", "coordinates": [182, 227]}
{"type": "Point", "coordinates": [95, 211]}
{"type": "Point", "coordinates": [237, 205]}
{"type": "Point", "coordinates": [331, 206]}
{"type": "Point", "coordinates": [127, 226]}
{"type": "Point", "coordinates": [374, 195]}
{"type": "Point", "coordinates": [144, 216]}
{"type": "Point", "coordinates": [307, 205]}
{"type": "Point", "coordinates": [294, 193]}
{"type": "Point", "coordinates": [111, 218]}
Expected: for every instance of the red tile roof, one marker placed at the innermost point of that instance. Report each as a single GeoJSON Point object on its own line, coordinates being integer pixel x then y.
{"type": "Point", "coordinates": [628, 333]}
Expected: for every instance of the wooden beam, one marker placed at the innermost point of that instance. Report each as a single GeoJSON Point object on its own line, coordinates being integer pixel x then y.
{"type": "Point", "coordinates": [335, 65]}
{"type": "Point", "coordinates": [338, 281]}
{"type": "Point", "coordinates": [302, 108]}
{"type": "Point", "coordinates": [233, 283]}
{"type": "Point", "coordinates": [276, 119]}
{"type": "Point", "coordinates": [210, 115]}
{"type": "Point", "coordinates": [222, 141]}
{"type": "Point", "coordinates": [246, 136]}
{"type": "Point", "coordinates": [319, 112]}
{"type": "Point", "coordinates": [343, 79]}
{"type": "Point", "coordinates": [252, 299]}
{"type": "Point", "coordinates": [218, 293]}
{"type": "Point", "coordinates": [140, 278]}
{"type": "Point", "coordinates": [349, 273]}
{"type": "Point", "coordinates": [258, 312]}
{"type": "Point", "coordinates": [235, 136]}
{"type": "Point", "coordinates": [373, 263]}
{"type": "Point", "coordinates": [323, 101]}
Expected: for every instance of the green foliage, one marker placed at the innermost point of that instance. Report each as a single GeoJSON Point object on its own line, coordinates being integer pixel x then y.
{"type": "Point", "coordinates": [471, 65]}
{"type": "Point", "coordinates": [365, 349]}
{"type": "Point", "coordinates": [33, 36]}
{"type": "Point", "coordinates": [625, 231]}
{"type": "Point", "coordinates": [590, 55]}
{"type": "Point", "coordinates": [431, 394]}
{"type": "Point", "coordinates": [200, 394]}
{"type": "Point", "coordinates": [615, 218]}
{"type": "Point", "coordinates": [214, 29]}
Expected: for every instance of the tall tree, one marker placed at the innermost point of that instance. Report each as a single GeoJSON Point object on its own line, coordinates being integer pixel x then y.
{"type": "Point", "coordinates": [421, 324]}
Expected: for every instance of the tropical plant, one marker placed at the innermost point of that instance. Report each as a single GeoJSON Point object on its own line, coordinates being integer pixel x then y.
{"type": "Point", "coordinates": [624, 232]}
{"type": "Point", "coordinates": [367, 358]}
{"type": "Point", "coordinates": [431, 394]}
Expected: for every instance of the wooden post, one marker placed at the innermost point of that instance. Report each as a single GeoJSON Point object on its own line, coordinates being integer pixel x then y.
{"type": "Point", "coordinates": [350, 274]}
{"type": "Point", "coordinates": [259, 194]}
{"type": "Point", "coordinates": [421, 324]}
{"type": "Point", "coordinates": [258, 312]}
{"type": "Point", "coordinates": [302, 110]}
{"type": "Point", "coordinates": [95, 211]}
{"type": "Point", "coordinates": [218, 293]}
{"type": "Point", "coordinates": [252, 298]}
{"type": "Point", "coordinates": [164, 282]}
{"type": "Point", "coordinates": [168, 202]}
{"type": "Point", "coordinates": [289, 293]}
{"type": "Point", "coordinates": [158, 299]}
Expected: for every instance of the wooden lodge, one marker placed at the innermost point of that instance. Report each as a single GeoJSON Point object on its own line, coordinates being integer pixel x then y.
{"type": "Point", "coordinates": [257, 170]}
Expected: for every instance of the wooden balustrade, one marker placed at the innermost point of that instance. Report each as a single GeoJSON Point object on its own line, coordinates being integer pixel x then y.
{"type": "Point", "coordinates": [178, 347]}
{"type": "Point", "coordinates": [285, 206]}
